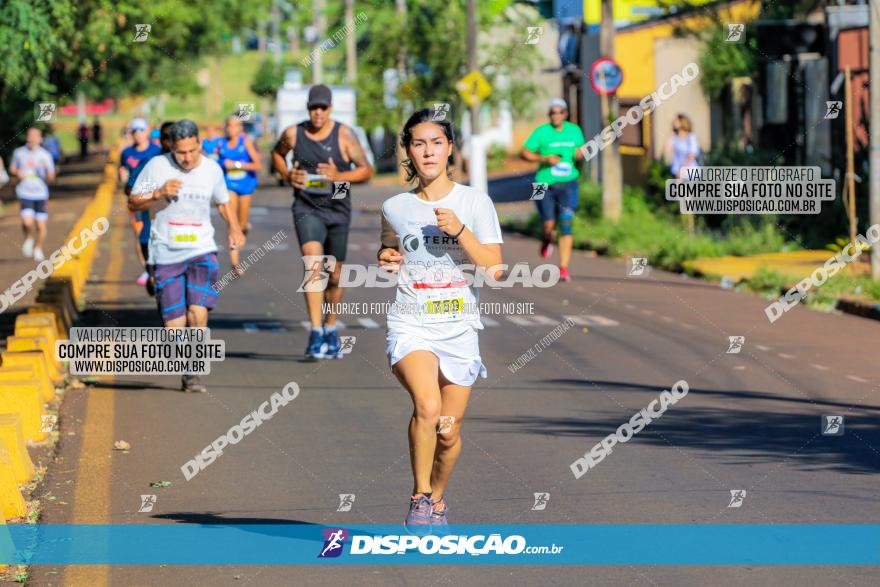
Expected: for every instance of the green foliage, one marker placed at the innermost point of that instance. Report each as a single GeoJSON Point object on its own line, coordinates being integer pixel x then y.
{"type": "Point", "coordinates": [432, 37]}
{"type": "Point", "coordinates": [720, 61]}
{"type": "Point", "coordinates": [54, 49]}
{"type": "Point", "coordinates": [268, 78]}
{"type": "Point", "coordinates": [495, 157]}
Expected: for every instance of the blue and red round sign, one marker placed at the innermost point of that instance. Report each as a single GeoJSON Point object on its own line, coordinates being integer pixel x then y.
{"type": "Point", "coordinates": [606, 76]}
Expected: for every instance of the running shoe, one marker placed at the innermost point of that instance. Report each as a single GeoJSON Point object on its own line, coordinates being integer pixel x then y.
{"type": "Point", "coordinates": [142, 278]}
{"type": "Point", "coordinates": [439, 523]}
{"type": "Point", "coordinates": [315, 350]}
{"type": "Point", "coordinates": [39, 257]}
{"type": "Point", "coordinates": [192, 384]}
{"type": "Point", "coordinates": [546, 250]}
{"type": "Point", "coordinates": [334, 348]}
{"type": "Point", "coordinates": [418, 520]}
{"type": "Point", "coordinates": [564, 275]}
{"type": "Point", "coordinates": [27, 249]}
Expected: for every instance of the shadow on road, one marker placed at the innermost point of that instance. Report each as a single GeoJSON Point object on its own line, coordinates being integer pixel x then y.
{"type": "Point", "coordinates": [736, 432]}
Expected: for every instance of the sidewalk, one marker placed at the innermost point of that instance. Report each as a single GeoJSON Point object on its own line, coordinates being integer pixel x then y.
{"type": "Point", "coordinates": [794, 264]}
{"type": "Point", "coordinates": [73, 189]}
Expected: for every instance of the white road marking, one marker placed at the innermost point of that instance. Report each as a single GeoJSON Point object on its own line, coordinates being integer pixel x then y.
{"type": "Point", "coordinates": [489, 321]}
{"type": "Point", "coordinates": [786, 356]}
{"type": "Point", "coordinates": [761, 347]}
{"type": "Point", "coordinates": [647, 312]}
{"type": "Point", "coordinates": [520, 321]}
{"type": "Point", "coordinates": [251, 327]}
{"type": "Point", "coordinates": [354, 247]}
{"type": "Point", "coordinates": [688, 326]}
{"type": "Point", "coordinates": [818, 366]}
{"type": "Point", "coordinates": [368, 323]}
{"type": "Point", "coordinates": [259, 211]}
{"type": "Point", "coordinates": [857, 379]}
{"type": "Point", "coordinates": [666, 319]}
{"type": "Point", "coordinates": [340, 325]}
{"type": "Point", "coordinates": [596, 320]}
{"type": "Point", "coordinates": [740, 367]}
{"type": "Point", "coordinates": [544, 320]}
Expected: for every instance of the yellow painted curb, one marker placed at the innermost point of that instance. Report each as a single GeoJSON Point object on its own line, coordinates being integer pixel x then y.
{"type": "Point", "coordinates": [14, 374]}
{"type": "Point", "coordinates": [34, 343]}
{"type": "Point", "coordinates": [10, 434]}
{"type": "Point", "coordinates": [11, 500]}
{"type": "Point", "coordinates": [32, 359]}
{"type": "Point", "coordinates": [44, 320]}
{"type": "Point", "coordinates": [62, 320]}
{"type": "Point", "coordinates": [23, 398]}
{"type": "Point", "coordinates": [38, 331]}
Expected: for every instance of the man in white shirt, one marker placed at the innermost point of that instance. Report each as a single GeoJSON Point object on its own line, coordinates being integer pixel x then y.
{"type": "Point", "coordinates": [178, 188]}
{"type": "Point", "coordinates": [33, 165]}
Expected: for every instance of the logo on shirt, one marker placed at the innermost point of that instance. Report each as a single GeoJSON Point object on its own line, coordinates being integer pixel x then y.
{"type": "Point", "coordinates": [410, 243]}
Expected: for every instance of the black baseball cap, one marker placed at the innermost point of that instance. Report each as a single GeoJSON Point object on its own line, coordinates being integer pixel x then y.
{"type": "Point", "coordinates": [320, 95]}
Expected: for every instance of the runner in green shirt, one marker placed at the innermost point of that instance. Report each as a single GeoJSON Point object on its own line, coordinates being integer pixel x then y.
{"type": "Point", "coordinates": [555, 146]}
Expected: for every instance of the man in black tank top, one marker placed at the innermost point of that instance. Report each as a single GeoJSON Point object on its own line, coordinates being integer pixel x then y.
{"type": "Point", "coordinates": [326, 157]}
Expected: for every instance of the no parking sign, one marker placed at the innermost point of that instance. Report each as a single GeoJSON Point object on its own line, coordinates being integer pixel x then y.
{"type": "Point", "coordinates": [606, 76]}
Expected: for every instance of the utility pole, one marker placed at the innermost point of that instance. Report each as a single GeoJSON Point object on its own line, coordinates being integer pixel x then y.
{"type": "Point", "coordinates": [350, 47]}
{"type": "Point", "coordinates": [874, 180]}
{"type": "Point", "coordinates": [612, 173]}
{"type": "Point", "coordinates": [320, 20]}
{"type": "Point", "coordinates": [276, 31]}
{"type": "Point", "coordinates": [472, 58]}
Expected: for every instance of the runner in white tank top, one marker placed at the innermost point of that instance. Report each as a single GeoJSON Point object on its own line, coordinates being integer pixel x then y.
{"type": "Point", "coordinates": [432, 338]}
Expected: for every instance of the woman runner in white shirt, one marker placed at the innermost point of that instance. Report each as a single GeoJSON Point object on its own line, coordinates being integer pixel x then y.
{"type": "Point", "coordinates": [428, 234]}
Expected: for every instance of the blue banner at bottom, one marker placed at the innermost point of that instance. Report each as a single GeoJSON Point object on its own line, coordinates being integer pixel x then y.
{"type": "Point", "coordinates": [305, 544]}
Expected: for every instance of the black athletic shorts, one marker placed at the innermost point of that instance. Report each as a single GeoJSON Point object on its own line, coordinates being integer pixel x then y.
{"type": "Point", "coordinates": [332, 236]}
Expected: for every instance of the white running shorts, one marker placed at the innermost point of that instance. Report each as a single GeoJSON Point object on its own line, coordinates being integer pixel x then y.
{"type": "Point", "coordinates": [459, 357]}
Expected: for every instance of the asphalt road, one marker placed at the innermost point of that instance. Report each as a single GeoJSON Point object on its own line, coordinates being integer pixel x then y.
{"type": "Point", "coordinates": [751, 420]}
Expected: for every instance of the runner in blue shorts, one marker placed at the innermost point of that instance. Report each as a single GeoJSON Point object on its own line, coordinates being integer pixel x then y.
{"type": "Point", "coordinates": [178, 188]}
{"type": "Point", "coordinates": [556, 148]}
{"type": "Point", "coordinates": [240, 161]}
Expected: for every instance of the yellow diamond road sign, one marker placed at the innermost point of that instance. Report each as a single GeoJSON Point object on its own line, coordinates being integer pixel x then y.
{"type": "Point", "coordinates": [473, 88]}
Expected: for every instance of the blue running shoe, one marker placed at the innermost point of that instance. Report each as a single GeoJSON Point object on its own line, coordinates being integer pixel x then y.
{"type": "Point", "coordinates": [334, 348]}
{"type": "Point", "coordinates": [439, 523]}
{"type": "Point", "coordinates": [315, 350]}
{"type": "Point", "coordinates": [418, 520]}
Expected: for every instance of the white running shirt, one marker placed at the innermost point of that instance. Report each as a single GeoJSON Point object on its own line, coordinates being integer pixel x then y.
{"type": "Point", "coordinates": [430, 290]}
{"type": "Point", "coordinates": [36, 164]}
{"type": "Point", "coordinates": [182, 229]}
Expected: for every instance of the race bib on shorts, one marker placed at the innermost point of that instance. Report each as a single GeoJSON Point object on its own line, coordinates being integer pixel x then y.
{"type": "Point", "coordinates": [441, 304]}
{"type": "Point", "coordinates": [561, 169]}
